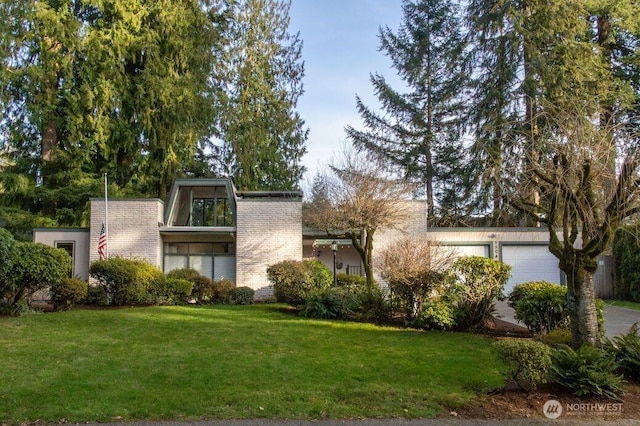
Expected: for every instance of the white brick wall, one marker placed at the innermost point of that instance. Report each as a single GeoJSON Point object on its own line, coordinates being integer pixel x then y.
{"type": "Point", "coordinates": [268, 231]}
{"type": "Point", "coordinates": [414, 225]}
{"type": "Point", "coordinates": [133, 228]}
{"type": "Point", "coordinates": [80, 237]}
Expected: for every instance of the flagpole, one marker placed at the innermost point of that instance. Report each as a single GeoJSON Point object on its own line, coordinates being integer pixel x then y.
{"type": "Point", "coordinates": [106, 218]}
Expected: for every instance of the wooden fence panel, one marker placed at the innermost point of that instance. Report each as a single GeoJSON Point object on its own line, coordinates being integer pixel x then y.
{"type": "Point", "coordinates": [603, 278]}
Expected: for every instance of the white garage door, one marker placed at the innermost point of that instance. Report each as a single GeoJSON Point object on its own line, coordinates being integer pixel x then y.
{"type": "Point", "coordinates": [530, 263]}
{"type": "Point", "coordinates": [472, 250]}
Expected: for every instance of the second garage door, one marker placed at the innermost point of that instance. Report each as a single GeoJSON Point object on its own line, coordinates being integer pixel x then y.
{"type": "Point", "coordinates": [530, 263]}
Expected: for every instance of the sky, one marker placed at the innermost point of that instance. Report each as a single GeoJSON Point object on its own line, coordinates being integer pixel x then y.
{"type": "Point", "coordinates": [340, 51]}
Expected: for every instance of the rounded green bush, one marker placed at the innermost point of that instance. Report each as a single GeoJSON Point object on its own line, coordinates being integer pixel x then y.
{"type": "Point", "coordinates": [559, 336]}
{"type": "Point", "coordinates": [178, 290]}
{"type": "Point", "coordinates": [222, 291]}
{"type": "Point", "coordinates": [32, 267]}
{"type": "Point", "coordinates": [128, 281]}
{"type": "Point", "coordinates": [351, 281]}
{"type": "Point", "coordinates": [320, 275]}
{"type": "Point", "coordinates": [540, 305]}
{"type": "Point", "coordinates": [67, 292]}
{"type": "Point", "coordinates": [293, 279]}
{"type": "Point", "coordinates": [188, 274]}
{"type": "Point", "coordinates": [241, 296]}
{"type": "Point", "coordinates": [475, 282]}
{"type": "Point", "coordinates": [530, 361]}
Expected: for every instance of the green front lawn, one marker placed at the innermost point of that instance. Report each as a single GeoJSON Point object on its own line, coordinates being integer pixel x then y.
{"type": "Point", "coordinates": [623, 304]}
{"type": "Point", "coordinates": [231, 362]}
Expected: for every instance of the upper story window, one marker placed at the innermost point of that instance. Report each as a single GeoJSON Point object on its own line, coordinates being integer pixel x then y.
{"type": "Point", "coordinates": [203, 206]}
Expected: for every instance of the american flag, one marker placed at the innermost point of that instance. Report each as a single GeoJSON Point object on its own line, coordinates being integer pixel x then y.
{"type": "Point", "coordinates": [102, 243]}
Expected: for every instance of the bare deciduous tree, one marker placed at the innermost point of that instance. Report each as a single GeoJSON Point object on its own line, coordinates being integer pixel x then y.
{"type": "Point", "coordinates": [355, 199]}
{"type": "Point", "coordinates": [414, 266]}
{"type": "Point", "coordinates": [582, 201]}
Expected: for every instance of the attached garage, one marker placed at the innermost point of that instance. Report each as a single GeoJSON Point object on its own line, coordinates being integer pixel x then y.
{"type": "Point", "coordinates": [532, 262]}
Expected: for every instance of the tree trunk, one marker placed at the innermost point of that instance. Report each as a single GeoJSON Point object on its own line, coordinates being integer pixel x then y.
{"type": "Point", "coordinates": [607, 112]}
{"type": "Point", "coordinates": [530, 86]}
{"type": "Point", "coordinates": [49, 140]}
{"type": "Point", "coordinates": [365, 252]}
{"type": "Point", "coordinates": [581, 303]}
{"type": "Point", "coordinates": [368, 264]}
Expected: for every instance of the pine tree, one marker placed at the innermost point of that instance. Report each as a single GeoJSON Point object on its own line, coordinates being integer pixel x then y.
{"type": "Point", "coordinates": [262, 135]}
{"type": "Point", "coordinates": [421, 129]}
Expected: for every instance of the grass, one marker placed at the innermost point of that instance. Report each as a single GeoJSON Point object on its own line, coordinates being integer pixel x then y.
{"type": "Point", "coordinates": [623, 304]}
{"type": "Point", "coordinates": [231, 362]}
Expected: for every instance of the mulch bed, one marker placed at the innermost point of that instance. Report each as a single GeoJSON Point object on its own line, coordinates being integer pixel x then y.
{"type": "Point", "coordinates": [510, 402]}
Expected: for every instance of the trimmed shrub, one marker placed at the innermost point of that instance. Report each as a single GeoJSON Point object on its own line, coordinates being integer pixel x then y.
{"type": "Point", "coordinates": [33, 267]}
{"type": "Point", "coordinates": [540, 305]}
{"type": "Point", "coordinates": [475, 282]}
{"type": "Point", "coordinates": [559, 336]}
{"type": "Point", "coordinates": [588, 371]}
{"type": "Point", "coordinates": [96, 295]}
{"type": "Point", "coordinates": [529, 361]}
{"type": "Point", "coordinates": [292, 279]}
{"type": "Point", "coordinates": [241, 296]}
{"type": "Point", "coordinates": [7, 258]}
{"type": "Point", "coordinates": [327, 303]}
{"type": "Point", "coordinates": [188, 274]}
{"type": "Point", "coordinates": [178, 290]}
{"type": "Point", "coordinates": [352, 282]}
{"type": "Point", "coordinates": [626, 351]}
{"type": "Point", "coordinates": [204, 290]}
{"type": "Point", "coordinates": [222, 291]}
{"type": "Point", "coordinates": [436, 315]}
{"type": "Point", "coordinates": [68, 292]}
{"type": "Point", "coordinates": [321, 276]}
{"type": "Point", "coordinates": [128, 281]}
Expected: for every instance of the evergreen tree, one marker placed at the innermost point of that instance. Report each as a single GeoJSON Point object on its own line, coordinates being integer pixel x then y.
{"type": "Point", "coordinates": [569, 156]}
{"type": "Point", "coordinates": [420, 133]}
{"type": "Point", "coordinates": [262, 135]}
{"type": "Point", "coordinates": [103, 86]}
{"type": "Point", "coordinates": [494, 103]}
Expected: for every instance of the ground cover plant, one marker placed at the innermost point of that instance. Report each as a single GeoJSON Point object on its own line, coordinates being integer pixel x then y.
{"type": "Point", "coordinates": [253, 361]}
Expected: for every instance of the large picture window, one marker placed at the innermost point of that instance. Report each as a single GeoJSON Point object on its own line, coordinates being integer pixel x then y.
{"type": "Point", "coordinates": [214, 260]}
{"type": "Point", "coordinates": [211, 212]}
{"type": "Point", "coordinates": [203, 206]}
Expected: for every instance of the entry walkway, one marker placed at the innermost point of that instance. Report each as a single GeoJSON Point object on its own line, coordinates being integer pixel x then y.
{"type": "Point", "coordinates": [617, 320]}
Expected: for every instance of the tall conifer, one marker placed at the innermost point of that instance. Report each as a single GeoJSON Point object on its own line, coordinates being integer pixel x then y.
{"type": "Point", "coordinates": [419, 132]}
{"type": "Point", "coordinates": [262, 135]}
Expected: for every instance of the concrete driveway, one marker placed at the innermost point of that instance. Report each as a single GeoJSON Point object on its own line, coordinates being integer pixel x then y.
{"type": "Point", "coordinates": [617, 320]}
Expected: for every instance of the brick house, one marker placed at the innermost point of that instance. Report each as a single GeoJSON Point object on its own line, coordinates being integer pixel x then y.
{"type": "Point", "coordinates": [208, 225]}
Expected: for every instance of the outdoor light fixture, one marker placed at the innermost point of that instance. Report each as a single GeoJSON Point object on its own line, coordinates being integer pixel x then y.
{"type": "Point", "coordinates": [334, 249]}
